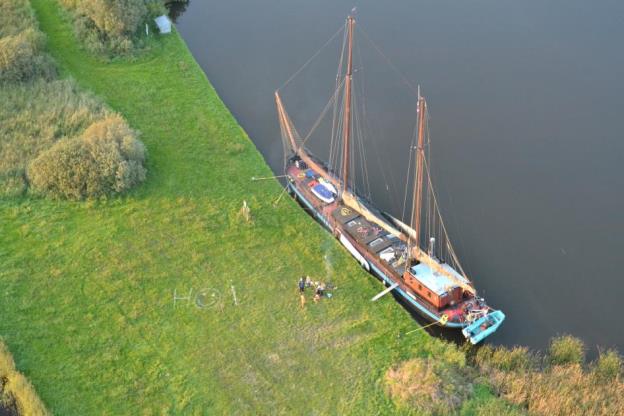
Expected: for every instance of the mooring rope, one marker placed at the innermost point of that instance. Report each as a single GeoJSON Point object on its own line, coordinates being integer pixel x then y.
{"type": "Point", "coordinates": [442, 321]}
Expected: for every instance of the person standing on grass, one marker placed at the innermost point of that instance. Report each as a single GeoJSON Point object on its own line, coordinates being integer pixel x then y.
{"type": "Point", "coordinates": [302, 285]}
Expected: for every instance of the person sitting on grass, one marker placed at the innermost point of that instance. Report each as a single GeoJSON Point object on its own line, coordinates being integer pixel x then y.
{"type": "Point", "coordinates": [318, 293]}
{"type": "Point", "coordinates": [302, 284]}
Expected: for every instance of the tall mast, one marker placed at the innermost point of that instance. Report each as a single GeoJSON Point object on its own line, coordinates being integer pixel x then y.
{"type": "Point", "coordinates": [418, 180]}
{"type": "Point", "coordinates": [346, 126]}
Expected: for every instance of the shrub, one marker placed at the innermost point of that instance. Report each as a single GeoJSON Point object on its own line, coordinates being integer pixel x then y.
{"type": "Point", "coordinates": [176, 8]}
{"type": "Point", "coordinates": [107, 159]}
{"type": "Point", "coordinates": [566, 350]}
{"type": "Point", "coordinates": [15, 389]}
{"type": "Point", "coordinates": [16, 16]}
{"type": "Point", "coordinates": [114, 18]}
{"type": "Point", "coordinates": [155, 8]}
{"type": "Point", "coordinates": [428, 385]}
{"type": "Point", "coordinates": [501, 358]}
{"type": "Point", "coordinates": [493, 407]}
{"type": "Point", "coordinates": [21, 58]}
{"type": "Point", "coordinates": [21, 44]}
{"type": "Point", "coordinates": [110, 26]}
{"type": "Point", "coordinates": [6, 361]}
{"type": "Point", "coordinates": [562, 388]}
{"type": "Point", "coordinates": [36, 116]}
{"type": "Point", "coordinates": [608, 367]}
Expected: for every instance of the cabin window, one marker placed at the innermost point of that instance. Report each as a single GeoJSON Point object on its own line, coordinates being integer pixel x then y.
{"type": "Point", "coordinates": [420, 287]}
{"type": "Point", "coordinates": [376, 242]}
{"type": "Point", "coordinates": [429, 294]}
{"type": "Point", "coordinates": [351, 223]}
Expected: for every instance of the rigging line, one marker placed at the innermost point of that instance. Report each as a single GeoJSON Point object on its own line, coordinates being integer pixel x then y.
{"type": "Point", "coordinates": [395, 193]}
{"type": "Point", "coordinates": [322, 115]}
{"type": "Point", "coordinates": [461, 269]}
{"type": "Point", "coordinates": [390, 184]}
{"type": "Point", "coordinates": [360, 146]}
{"type": "Point", "coordinates": [359, 116]}
{"type": "Point", "coordinates": [440, 228]}
{"type": "Point", "coordinates": [319, 119]}
{"type": "Point", "coordinates": [338, 74]}
{"type": "Point", "coordinates": [337, 148]}
{"type": "Point", "coordinates": [389, 62]}
{"type": "Point", "coordinates": [392, 192]}
{"type": "Point", "coordinates": [429, 213]}
{"type": "Point", "coordinates": [359, 134]}
{"type": "Point", "coordinates": [342, 27]}
{"type": "Point", "coordinates": [356, 132]}
{"type": "Point", "coordinates": [430, 210]}
{"type": "Point", "coordinates": [450, 197]}
{"type": "Point", "coordinates": [388, 176]}
{"type": "Point", "coordinates": [366, 129]}
{"type": "Point", "coordinates": [409, 165]}
{"type": "Point", "coordinates": [365, 165]}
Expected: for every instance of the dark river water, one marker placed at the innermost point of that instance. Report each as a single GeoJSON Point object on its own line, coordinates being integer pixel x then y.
{"type": "Point", "coordinates": [527, 122]}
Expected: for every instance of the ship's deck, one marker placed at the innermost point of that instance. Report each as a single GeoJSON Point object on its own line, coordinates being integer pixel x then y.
{"type": "Point", "coordinates": [385, 250]}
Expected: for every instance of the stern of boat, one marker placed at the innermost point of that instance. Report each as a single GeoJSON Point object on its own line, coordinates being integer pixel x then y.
{"type": "Point", "coordinates": [483, 327]}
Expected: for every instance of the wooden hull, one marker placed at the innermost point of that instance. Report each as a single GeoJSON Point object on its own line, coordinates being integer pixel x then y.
{"type": "Point", "coordinates": [326, 215]}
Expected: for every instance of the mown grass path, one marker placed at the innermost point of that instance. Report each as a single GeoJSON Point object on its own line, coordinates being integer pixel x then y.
{"type": "Point", "coordinates": [86, 289]}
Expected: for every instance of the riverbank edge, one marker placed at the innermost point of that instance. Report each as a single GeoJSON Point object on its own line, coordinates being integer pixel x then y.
{"type": "Point", "coordinates": [71, 67]}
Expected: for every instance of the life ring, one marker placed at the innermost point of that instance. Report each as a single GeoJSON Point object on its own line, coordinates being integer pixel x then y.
{"type": "Point", "coordinates": [443, 319]}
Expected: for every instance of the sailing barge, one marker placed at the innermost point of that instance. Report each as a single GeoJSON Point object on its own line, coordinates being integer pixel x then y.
{"type": "Point", "coordinates": [435, 287]}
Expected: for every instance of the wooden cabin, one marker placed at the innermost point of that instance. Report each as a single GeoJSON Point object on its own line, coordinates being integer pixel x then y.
{"type": "Point", "coordinates": [436, 288]}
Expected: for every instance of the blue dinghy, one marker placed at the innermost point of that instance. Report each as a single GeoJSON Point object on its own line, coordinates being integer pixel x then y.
{"type": "Point", "coordinates": [483, 327]}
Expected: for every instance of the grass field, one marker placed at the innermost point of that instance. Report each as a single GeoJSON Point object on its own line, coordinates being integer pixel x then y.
{"type": "Point", "coordinates": [86, 288]}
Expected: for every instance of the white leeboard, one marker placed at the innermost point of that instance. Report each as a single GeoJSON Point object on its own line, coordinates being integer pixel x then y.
{"type": "Point", "coordinates": [385, 291]}
{"type": "Point", "coordinates": [354, 252]}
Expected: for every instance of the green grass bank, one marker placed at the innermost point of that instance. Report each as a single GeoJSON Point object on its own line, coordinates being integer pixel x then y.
{"type": "Point", "coordinates": [87, 288]}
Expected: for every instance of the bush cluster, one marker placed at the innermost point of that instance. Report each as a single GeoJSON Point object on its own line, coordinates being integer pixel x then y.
{"type": "Point", "coordinates": [514, 359]}
{"type": "Point", "coordinates": [566, 350]}
{"type": "Point", "coordinates": [112, 27]}
{"type": "Point", "coordinates": [106, 159]}
{"type": "Point", "coordinates": [16, 392]}
{"type": "Point", "coordinates": [21, 45]}
{"type": "Point", "coordinates": [559, 383]}
{"type": "Point", "coordinates": [428, 385]}
{"type": "Point", "coordinates": [608, 367]}
{"type": "Point", "coordinates": [39, 114]}
{"type": "Point", "coordinates": [176, 8]}
{"type": "Point", "coordinates": [54, 138]}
